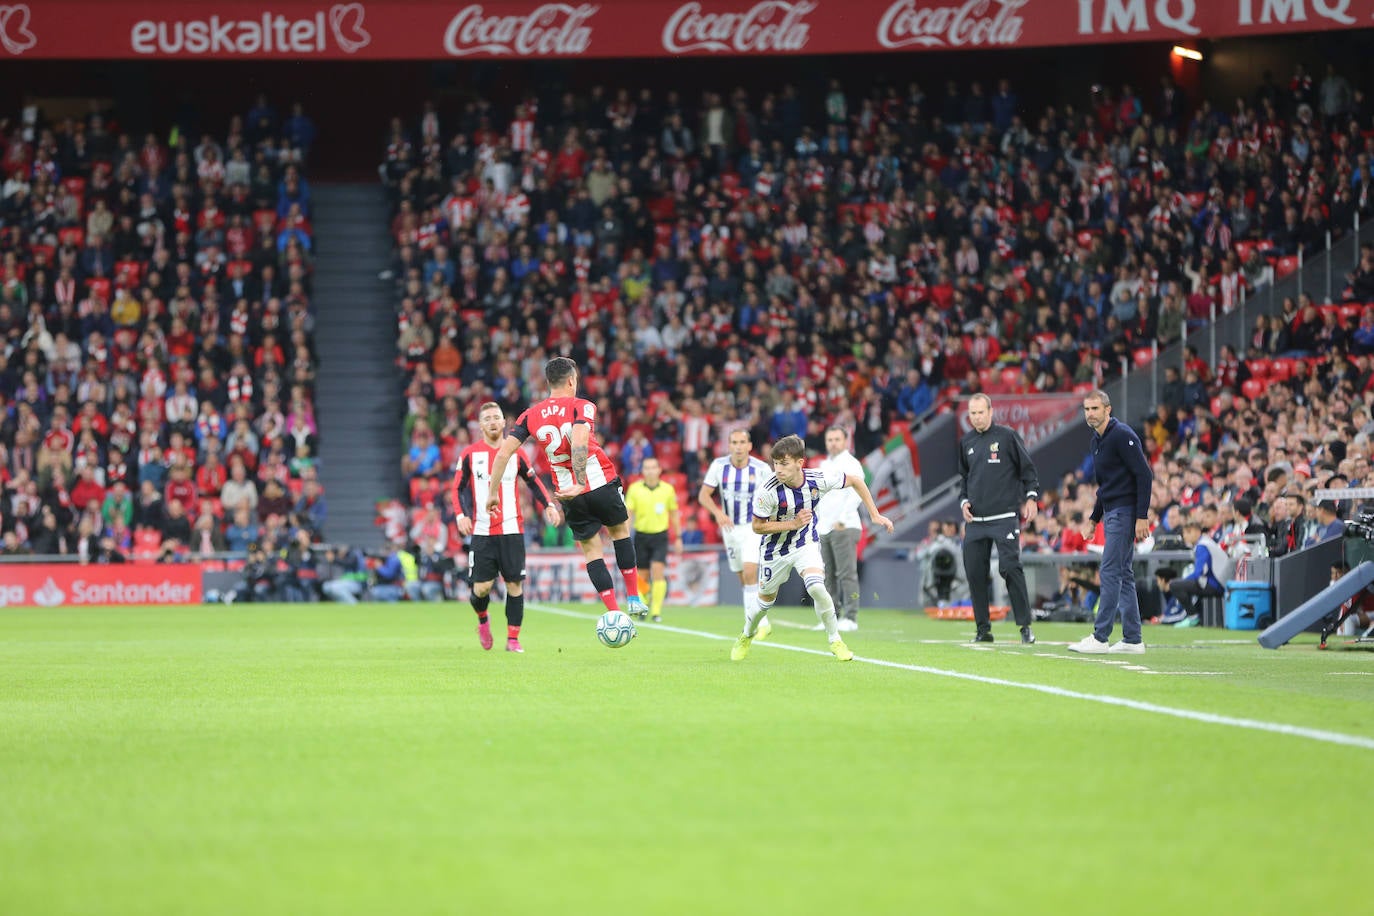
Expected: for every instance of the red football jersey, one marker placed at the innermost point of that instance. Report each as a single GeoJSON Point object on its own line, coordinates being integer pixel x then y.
{"type": "Point", "coordinates": [473, 473]}
{"type": "Point", "coordinates": [551, 422]}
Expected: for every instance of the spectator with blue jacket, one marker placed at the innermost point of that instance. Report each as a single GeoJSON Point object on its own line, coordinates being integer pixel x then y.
{"type": "Point", "coordinates": [915, 397]}
{"type": "Point", "coordinates": [789, 418]}
{"type": "Point", "coordinates": [1207, 578]}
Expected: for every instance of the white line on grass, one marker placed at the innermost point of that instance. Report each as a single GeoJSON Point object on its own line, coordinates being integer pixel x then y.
{"type": "Point", "coordinates": [1278, 728]}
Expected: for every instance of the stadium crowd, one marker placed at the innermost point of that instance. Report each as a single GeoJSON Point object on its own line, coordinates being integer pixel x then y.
{"type": "Point", "coordinates": [157, 361]}
{"type": "Point", "coordinates": [780, 263]}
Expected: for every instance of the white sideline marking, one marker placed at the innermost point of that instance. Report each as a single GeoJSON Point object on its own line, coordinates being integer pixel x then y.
{"type": "Point", "coordinates": [1278, 728]}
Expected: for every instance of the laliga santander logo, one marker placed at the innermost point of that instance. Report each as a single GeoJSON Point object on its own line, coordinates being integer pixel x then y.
{"type": "Point", "coordinates": [974, 23]}
{"type": "Point", "coordinates": [272, 33]}
{"type": "Point", "coordinates": [772, 25]}
{"type": "Point", "coordinates": [551, 29]}
{"type": "Point", "coordinates": [14, 29]}
{"type": "Point", "coordinates": [49, 595]}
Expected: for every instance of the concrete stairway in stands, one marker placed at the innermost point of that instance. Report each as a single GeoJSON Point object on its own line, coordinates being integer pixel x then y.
{"type": "Point", "coordinates": [357, 392]}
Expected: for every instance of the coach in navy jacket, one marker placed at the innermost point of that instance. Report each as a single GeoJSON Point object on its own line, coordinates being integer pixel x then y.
{"type": "Point", "coordinates": [1124, 480]}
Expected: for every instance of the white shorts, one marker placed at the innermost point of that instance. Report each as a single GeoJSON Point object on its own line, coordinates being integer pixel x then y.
{"type": "Point", "coordinates": [741, 546]}
{"type": "Point", "coordinates": [773, 573]}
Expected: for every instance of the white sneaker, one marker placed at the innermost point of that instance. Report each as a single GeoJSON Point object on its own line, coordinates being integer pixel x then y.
{"type": "Point", "coordinates": [846, 625]}
{"type": "Point", "coordinates": [1089, 645]}
{"type": "Point", "coordinates": [1127, 648]}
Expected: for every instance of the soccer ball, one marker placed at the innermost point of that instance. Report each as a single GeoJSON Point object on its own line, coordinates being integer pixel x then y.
{"type": "Point", "coordinates": [615, 629]}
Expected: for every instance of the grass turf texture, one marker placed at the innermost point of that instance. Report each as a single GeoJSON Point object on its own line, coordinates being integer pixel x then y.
{"type": "Point", "coordinates": [322, 759]}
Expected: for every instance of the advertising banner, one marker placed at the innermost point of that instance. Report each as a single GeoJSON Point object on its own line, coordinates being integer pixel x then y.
{"type": "Point", "coordinates": [561, 576]}
{"type": "Point", "coordinates": [73, 585]}
{"type": "Point", "coordinates": [512, 29]}
{"type": "Point", "coordinates": [1034, 416]}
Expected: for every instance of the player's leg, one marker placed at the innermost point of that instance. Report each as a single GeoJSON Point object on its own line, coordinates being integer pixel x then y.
{"type": "Point", "coordinates": [773, 577]}
{"type": "Point", "coordinates": [748, 551]}
{"type": "Point", "coordinates": [642, 563]}
{"type": "Point", "coordinates": [829, 558]}
{"type": "Point", "coordinates": [978, 568]}
{"type": "Point", "coordinates": [586, 529]}
{"type": "Point", "coordinates": [813, 577]}
{"type": "Point", "coordinates": [483, 564]}
{"type": "Point", "coordinates": [1009, 564]}
{"type": "Point", "coordinates": [481, 600]}
{"type": "Point", "coordinates": [658, 591]}
{"type": "Point", "coordinates": [513, 574]}
{"type": "Point", "coordinates": [627, 561]}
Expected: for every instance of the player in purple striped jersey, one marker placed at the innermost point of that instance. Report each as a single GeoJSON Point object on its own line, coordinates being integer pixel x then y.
{"type": "Point", "coordinates": [784, 514]}
{"type": "Point", "coordinates": [736, 478]}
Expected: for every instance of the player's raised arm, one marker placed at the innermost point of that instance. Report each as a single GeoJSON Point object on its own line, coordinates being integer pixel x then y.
{"type": "Point", "coordinates": [860, 486]}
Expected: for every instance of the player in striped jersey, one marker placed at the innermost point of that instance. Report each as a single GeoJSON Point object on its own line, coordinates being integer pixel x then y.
{"type": "Point", "coordinates": [498, 542]}
{"type": "Point", "coordinates": [588, 485]}
{"type": "Point", "coordinates": [736, 477]}
{"type": "Point", "coordinates": [784, 514]}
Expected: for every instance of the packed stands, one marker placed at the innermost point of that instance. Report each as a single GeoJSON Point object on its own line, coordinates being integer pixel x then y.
{"type": "Point", "coordinates": [860, 258]}
{"type": "Point", "coordinates": [157, 368]}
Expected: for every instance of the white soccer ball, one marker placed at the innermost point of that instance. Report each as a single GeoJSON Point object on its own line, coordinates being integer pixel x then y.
{"type": "Point", "coordinates": [615, 629]}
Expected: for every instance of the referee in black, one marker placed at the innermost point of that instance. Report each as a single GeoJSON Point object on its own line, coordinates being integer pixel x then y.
{"type": "Point", "coordinates": [998, 489]}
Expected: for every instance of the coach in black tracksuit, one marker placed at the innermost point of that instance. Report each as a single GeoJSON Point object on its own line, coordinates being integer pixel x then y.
{"type": "Point", "coordinates": [998, 489]}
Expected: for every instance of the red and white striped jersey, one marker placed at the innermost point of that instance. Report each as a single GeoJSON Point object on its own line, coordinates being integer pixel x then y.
{"type": "Point", "coordinates": [522, 134]}
{"type": "Point", "coordinates": [551, 422]}
{"type": "Point", "coordinates": [473, 474]}
{"type": "Point", "coordinates": [459, 210]}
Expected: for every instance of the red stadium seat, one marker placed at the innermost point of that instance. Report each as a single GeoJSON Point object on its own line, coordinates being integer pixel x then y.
{"type": "Point", "coordinates": [1085, 237]}
{"type": "Point", "coordinates": [1280, 370]}
{"type": "Point", "coordinates": [669, 454]}
{"type": "Point", "coordinates": [446, 385]}
{"type": "Point", "coordinates": [1259, 368]}
{"type": "Point", "coordinates": [75, 185]}
{"type": "Point", "coordinates": [1351, 314]}
{"type": "Point", "coordinates": [72, 235]}
{"type": "Point", "coordinates": [1143, 357]}
{"type": "Point", "coordinates": [1285, 266]}
{"type": "Point", "coordinates": [1252, 388]}
{"type": "Point", "coordinates": [147, 543]}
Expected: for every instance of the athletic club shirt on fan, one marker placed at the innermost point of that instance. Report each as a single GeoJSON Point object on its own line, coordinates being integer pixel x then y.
{"type": "Point", "coordinates": [737, 486]}
{"type": "Point", "coordinates": [776, 502]}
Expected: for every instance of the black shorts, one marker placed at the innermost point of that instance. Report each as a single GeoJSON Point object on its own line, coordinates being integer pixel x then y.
{"type": "Point", "coordinates": [497, 553]}
{"type": "Point", "coordinates": [651, 548]}
{"type": "Point", "coordinates": [587, 513]}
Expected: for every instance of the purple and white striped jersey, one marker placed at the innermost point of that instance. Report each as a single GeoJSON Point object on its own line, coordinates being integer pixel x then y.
{"type": "Point", "coordinates": [776, 502]}
{"type": "Point", "coordinates": [737, 486]}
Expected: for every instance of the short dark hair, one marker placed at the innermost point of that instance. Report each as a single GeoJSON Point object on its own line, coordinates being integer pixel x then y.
{"type": "Point", "coordinates": [789, 447]}
{"type": "Point", "coordinates": [1243, 507]}
{"type": "Point", "coordinates": [558, 370]}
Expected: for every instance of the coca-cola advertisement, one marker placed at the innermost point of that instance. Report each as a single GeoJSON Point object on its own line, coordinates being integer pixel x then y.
{"type": "Point", "coordinates": [512, 29]}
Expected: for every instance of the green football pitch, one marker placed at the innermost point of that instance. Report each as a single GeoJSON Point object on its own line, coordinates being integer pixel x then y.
{"type": "Point", "coordinates": [320, 759]}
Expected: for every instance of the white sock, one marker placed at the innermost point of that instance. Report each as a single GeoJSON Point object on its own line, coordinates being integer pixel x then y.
{"type": "Point", "coordinates": [751, 603]}
{"type": "Point", "coordinates": [761, 608]}
{"type": "Point", "coordinates": [825, 608]}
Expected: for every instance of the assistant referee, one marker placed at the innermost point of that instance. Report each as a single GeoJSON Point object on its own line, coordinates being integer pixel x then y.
{"type": "Point", "coordinates": [653, 509]}
{"type": "Point", "coordinates": [998, 489]}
